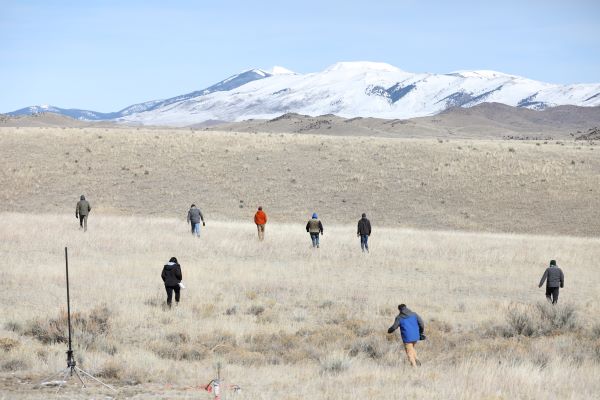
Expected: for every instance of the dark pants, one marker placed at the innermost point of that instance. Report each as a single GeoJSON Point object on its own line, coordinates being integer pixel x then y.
{"type": "Point", "coordinates": [170, 290]}
{"type": "Point", "coordinates": [364, 242]}
{"type": "Point", "coordinates": [314, 237]}
{"type": "Point", "coordinates": [552, 294]}
{"type": "Point", "coordinates": [83, 222]}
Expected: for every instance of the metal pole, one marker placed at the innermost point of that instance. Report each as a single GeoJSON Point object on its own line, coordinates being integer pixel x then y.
{"type": "Point", "coordinates": [70, 360]}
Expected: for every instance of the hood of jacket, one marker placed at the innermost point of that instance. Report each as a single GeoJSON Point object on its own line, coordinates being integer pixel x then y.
{"type": "Point", "coordinates": [405, 312]}
{"type": "Point", "coordinates": [170, 265]}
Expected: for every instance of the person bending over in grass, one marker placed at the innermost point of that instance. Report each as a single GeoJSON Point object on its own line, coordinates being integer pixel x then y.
{"type": "Point", "coordinates": [260, 219]}
{"type": "Point", "coordinates": [314, 227]}
{"type": "Point", "coordinates": [82, 210]}
{"type": "Point", "coordinates": [194, 217]}
{"type": "Point", "coordinates": [412, 330]}
{"type": "Point", "coordinates": [171, 276]}
{"type": "Point", "coordinates": [554, 278]}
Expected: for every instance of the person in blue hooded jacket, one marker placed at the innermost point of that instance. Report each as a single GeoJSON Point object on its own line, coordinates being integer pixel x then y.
{"type": "Point", "coordinates": [315, 228]}
{"type": "Point", "coordinates": [412, 330]}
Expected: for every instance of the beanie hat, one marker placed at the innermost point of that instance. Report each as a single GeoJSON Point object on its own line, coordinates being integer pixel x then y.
{"type": "Point", "coordinates": [173, 260]}
{"type": "Point", "coordinates": [82, 197]}
{"type": "Point", "coordinates": [552, 262]}
{"type": "Point", "coordinates": [315, 216]}
{"type": "Point", "coordinates": [364, 215]}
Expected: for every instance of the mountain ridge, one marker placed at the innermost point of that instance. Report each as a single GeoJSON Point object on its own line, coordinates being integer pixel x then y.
{"type": "Point", "coordinates": [347, 89]}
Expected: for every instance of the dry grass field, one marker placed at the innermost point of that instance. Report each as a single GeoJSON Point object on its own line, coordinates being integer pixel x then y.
{"type": "Point", "coordinates": [463, 230]}
{"type": "Point", "coordinates": [289, 322]}
{"type": "Point", "coordinates": [541, 187]}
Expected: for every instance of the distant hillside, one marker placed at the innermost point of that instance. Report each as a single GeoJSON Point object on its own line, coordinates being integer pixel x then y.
{"type": "Point", "coordinates": [487, 120]}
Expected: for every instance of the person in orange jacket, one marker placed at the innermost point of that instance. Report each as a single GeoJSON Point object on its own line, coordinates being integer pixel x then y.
{"type": "Point", "coordinates": [260, 219]}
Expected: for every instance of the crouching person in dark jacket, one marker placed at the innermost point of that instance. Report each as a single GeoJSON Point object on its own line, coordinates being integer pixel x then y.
{"type": "Point", "coordinates": [171, 276]}
{"type": "Point", "coordinates": [554, 278]}
{"type": "Point", "coordinates": [412, 330]}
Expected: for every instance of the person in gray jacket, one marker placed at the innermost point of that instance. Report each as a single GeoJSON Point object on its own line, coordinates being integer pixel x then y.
{"type": "Point", "coordinates": [555, 279]}
{"type": "Point", "coordinates": [194, 217]}
{"type": "Point", "coordinates": [82, 210]}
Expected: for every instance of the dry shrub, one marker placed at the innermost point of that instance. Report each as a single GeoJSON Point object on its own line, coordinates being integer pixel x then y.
{"type": "Point", "coordinates": [374, 346]}
{"type": "Point", "coordinates": [540, 320]}
{"type": "Point", "coordinates": [334, 363]}
{"type": "Point", "coordinates": [595, 331]}
{"type": "Point", "coordinates": [181, 351]}
{"type": "Point", "coordinates": [14, 364]}
{"type": "Point", "coordinates": [85, 327]}
{"type": "Point", "coordinates": [204, 310]}
{"type": "Point", "coordinates": [177, 338]}
{"type": "Point", "coordinates": [110, 370]}
{"type": "Point", "coordinates": [255, 310]}
{"type": "Point", "coordinates": [358, 327]}
{"type": "Point", "coordinates": [247, 358]}
{"type": "Point", "coordinates": [556, 318]}
{"type": "Point", "coordinates": [7, 344]}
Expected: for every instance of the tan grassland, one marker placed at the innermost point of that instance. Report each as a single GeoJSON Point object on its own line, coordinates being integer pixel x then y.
{"type": "Point", "coordinates": [289, 322]}
{"type": "Point", "coordinates": [462, 233]}
{"type": "Point", "coordinates": [541, 187]}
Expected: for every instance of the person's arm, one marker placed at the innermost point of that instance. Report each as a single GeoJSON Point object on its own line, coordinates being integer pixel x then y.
{"type": "Point", "coordinates": [201, 217]}
{"type": "Point", "coordinates": [369, 228]}
{"type": "Point", "coordinates": [89, 206]}
{"type": "Point", "coordinates": [543, 278]}
{"type": "Point", "coordinates": [321, 227]}
{"type": "Point", "coordinates": [307, 225]}
{"type": "Point", "coordinates": [421, 325]}
{"type": "Point", "coordinates": [77, 211]}
{"type": "Point", "coordinates": [358, 229]}
{"type": "Point", "coordinates": [163, 275]}
{"type": "Point", "coordinates": [395, 325]}
{"type": "Point", "coordinates": [178, 274]}
{"type": "Point", "coordinates": [188, 216]}
{"type": "Point", "coordinates": [562, 279]}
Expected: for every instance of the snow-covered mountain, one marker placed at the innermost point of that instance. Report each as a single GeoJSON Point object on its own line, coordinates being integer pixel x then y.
{"type": "Point", "coordinates": [347, 89]}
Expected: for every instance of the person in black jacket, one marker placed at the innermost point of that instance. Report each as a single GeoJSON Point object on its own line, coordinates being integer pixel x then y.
{"type": "Point", "coordinates": [364, 231]}
{"type": "Point", "coordinates": [554, 278]}
{"type": "Point", "coordinates": [171, 276]}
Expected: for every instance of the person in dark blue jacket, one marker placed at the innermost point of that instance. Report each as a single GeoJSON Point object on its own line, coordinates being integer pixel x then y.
{"type": "Point", "coordinates": [412, 330]}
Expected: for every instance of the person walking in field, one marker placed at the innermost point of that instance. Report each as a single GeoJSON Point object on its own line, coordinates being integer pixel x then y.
{"type": "Point", "coordinates": [171, 276]}
{"type": "Point", "coordinates": [260, 219]}
{"type": "Point", "coordinates": [364, 231]}
{"type": "Point", "coordinates": [194, 217]}
{"type": "Point", "coordinates": [315, 228]}
{"type": "Point", "coordinates": [82, 210]}
{"type": "Point", "coordinates": [412, 329]}
{"type": "Point", "coordinates": [555, 279]}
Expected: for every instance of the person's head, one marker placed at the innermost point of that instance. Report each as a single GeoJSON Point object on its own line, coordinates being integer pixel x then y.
{"type": "Point", "coordinates": [193, 205]}
{"type": "Point", "coordinates": [259, 208]}
{"type": "Point", "coordinates": [173, 260]}
{"type": "Point", "coordinates": [82, 197]}
{"type": "Point", "coordinates": [364, 215]}
{"type": "Point", "coordinates": [553, 263]}
{"type": "Point", "coordinates": [315, 216]}
{"type": "Point", "coordinates": [401, 307]}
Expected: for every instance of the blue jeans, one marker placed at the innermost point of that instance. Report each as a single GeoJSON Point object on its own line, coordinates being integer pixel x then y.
{"type": "Point", "coordinates": [315, 239]}
{"type": "Point", "coordinates": [364, 242]}
{"type": "Point", "coordinates": [196, 229]}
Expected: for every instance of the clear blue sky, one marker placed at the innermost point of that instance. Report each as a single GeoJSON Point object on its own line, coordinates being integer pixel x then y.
{"type": "Point", "coordinates": [106, 55]}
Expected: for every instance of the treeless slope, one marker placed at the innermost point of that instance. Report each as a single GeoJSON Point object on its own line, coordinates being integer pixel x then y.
{"type": "Point", "coordinates": [487, 120]}
{"type": "Point", "coordinates": [508, 186]}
